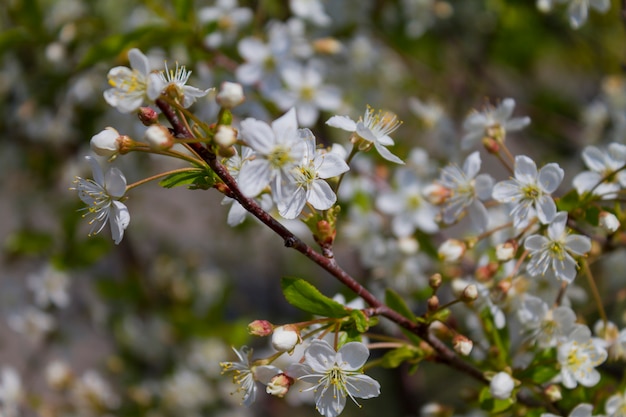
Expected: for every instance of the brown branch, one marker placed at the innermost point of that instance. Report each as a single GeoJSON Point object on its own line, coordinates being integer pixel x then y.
{"type": "Point", "coordinates": [445, 354]}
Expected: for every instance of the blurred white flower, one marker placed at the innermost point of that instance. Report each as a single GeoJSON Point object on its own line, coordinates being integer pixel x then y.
{"type": "Point", "coordinates": [229, 19]}
{"type": "Point", "coordinates": [311, 10]}
{"type": "Point", "coordinates": [604, 177]}
{"type": "Point", "coordinates": [31, 322]}
{"type": "Point", "coordinates": [11, 392]}
{"type": "Point", "coordinates": [501, 386]}
{"type": "Point", "coordinates": [492, 122]}
{"type": "Point", "coordinates": [49, 287]}
{"type": "Point", "coordinates": [548, 327]}
{"type": "Point", "coordinates": [93, 396]}
{"type": "Point", "coordinates": [616, 405]}
{"type": "Point", "coordinates": [132, 86]}
{"type": "Point", "coordinates": [578, 357]}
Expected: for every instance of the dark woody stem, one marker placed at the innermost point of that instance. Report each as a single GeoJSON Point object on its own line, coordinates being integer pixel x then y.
{"type": "Point", "coordinates": [444, 353]}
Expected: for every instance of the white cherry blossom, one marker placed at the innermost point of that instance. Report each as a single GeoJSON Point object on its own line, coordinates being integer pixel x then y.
{"type": "Point", "coordinates": [317, 165]}
{"type": "Point", "coordinates": [616, 405]}
{"type": "Point", "coordinates": [529, 192]}
{"type": "Point", "coordinates": [373, 128]}
{"type": "Point", "coordinates": [604, 177]}
{"type": "Point", "coordinates": [553, 254]}
{"type": "Point", "coordinates": [579, 357]}
{"type": "Point", "coordinates": [132, 86]}
{"type": "Point", "coordinates": [492, 122]}
{"type": "Point", "coordinates": [335, 375]}
{"type": "Point", "coordinates": [102, 195]}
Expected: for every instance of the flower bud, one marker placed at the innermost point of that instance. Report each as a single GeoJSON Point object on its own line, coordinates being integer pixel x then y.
{"type": "Point", "coordinates": [462, 345]}
{"type": "Point", "coordinates": [486, 272]}
{"type": "Point", "coordinates": [408, 245]}
{"type": "Point", "coordinates": [433, 303]}
{"type": "Point", "coordinates": [469, 294]}
{"type": "Point", "coordinates": [58, 375]}
{"type": "Point", "coordinates": [609, 222]}
{"type": "Point", "coordinates": [285, 338]}
{"type": "Point", "coordinates": [279, 385]}
{"type": "Point", "coordinates": [225, 136]}
{"type": "Point", "coordinates": [159, 137]}
{"type": "Point", "coordinates": [501, 386]}
{"type": "Point", "coordinates": [148, 116]}
{"type": "Point", "coordinates": [553, 392]}
{"type": "Point", "coordinates": [330, 46]}
{"type": "Point", "coordinates": [506, 251]}
{"type": "Point", "coordinates": [260, 328]}
{"type": "Point", "coordinates": [436, 193]}
{"type": "Point", "coordinates": [451, 250]}
{"type": "Point", "coordinates": [230, 95]}
{"type": "Point", "coordinates": [435, 281]}
{"type": "Point", "coordinates": [106, 143]}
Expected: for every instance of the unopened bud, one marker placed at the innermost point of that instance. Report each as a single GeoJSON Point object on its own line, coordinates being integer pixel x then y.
{"type": "Point", "coordinates": [106, 143]}
{"type": "Point", "coordinates": [506, 251]}
{"type": "Point", "coordinates": [159, 137]}
{"type": "Point", "coordinates": [462, 345]}
{"type": "Point", "coordinates": [433, 303]}
{"type": "Point", "coordinates": [58, 375]}
{"type": "Point", "coordinates": [148, 116]}
{"type": "Point", "coordinates": [279, 385]}
{"type": "Point", "coordinates": [469, 294]}
{"type": "Point", "coordinates": [330, 46]}
{"type": "Point", "coordinates": [408, 245]}
{"type": "Point", "coordinates": [436, 193]}
{"type": "Point", "coordinates": [435, 281]}
{"type": "Point", "coordinates": [609, 222]}
{"type": "Point", "coordinates": [230, 95]}
{"type": "Point", "coordinates": [451, 250]}
{"type": "Point", "coordinates": [285, 338]}
{"type": "Point", "coordinates": [491, 145]}
{"type": "Point", "coordinates": [553, 393]}
{"type": "Point", "coordinates": [225, 136]}
{"type": "Point", "coordinates": [501, 386]}
{"type": "Point", "coordinates": [260, 328]}
{"type": "Point", "coordinates": [486, 272]}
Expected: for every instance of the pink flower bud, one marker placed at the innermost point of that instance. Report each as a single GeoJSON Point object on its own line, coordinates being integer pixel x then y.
{"type": "Point", "coordinates": [279, 385]}
{"type": "Point", "coordinates": [260, 328]}
{"type": "Point", "coordinates": [462, 345]}
{"type": "Point", "coordinates": [148, 116]}
{"type": "Point", "coordinates": [285, 338]}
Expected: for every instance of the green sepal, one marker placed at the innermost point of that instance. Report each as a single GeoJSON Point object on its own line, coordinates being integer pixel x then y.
{"type": "Point", "coordinates": [361, 321]}
{"type": "Point", "coordinates": [397, 357]}
{"type": "Point", "coordinates": [493, 405]}
{"type": "Point", "coordinates": [195, 179]}
{"type": "Point", "coordinates": [440, 315]}
{"type": "Point", "coordinates": [299, 293]}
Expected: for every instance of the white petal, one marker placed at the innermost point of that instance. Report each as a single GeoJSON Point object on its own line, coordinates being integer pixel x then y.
{"type": "Point", "coordinates": [386, 153]}
{"type": "Point", "coordinates": [546, 209]}
{"type": "Point", "coordinates": [320, 356]}
{"type": "Point", "coordinates": [115, 182]}
{"type": "Point", "coordinates": [506, 191]}
{"type": "Point", "coordinates": [517, 123]}
{"type": "Point", "coordinates": [535, 243]}
{"type": "Point", "coordinates": [285, 127]}
{"type": "Point", "coordinates": [321, 196]}
{"type": "Point", "coordinates": [138, 61]}
{"type": "Point", "coordinates": [258, 135]}
{"type": "Point", "coordinates": [253, 177]}
{"type": "Point", "coordinates": [362, 386]}
{"type": "Point", "coordinates": [525, 169]}
{"type": "Point", "coordinates": [472, 163]}
{"type": "Point", "coordinates": [292, 207]}
{"type": "Point", "coordinates": [352, 356]}
{"type": "Point", "coordinates": [550, 177]}
{"type": "Point", "coordinates": [342, 122]}
{"type": "Point", "coordinates": [307, 114]}
{"type": "Point", "coordinates": [504, 110]}
{"type": "Point", "coordinates": [96, 170]}
{"type": "Point", "coordinates": [578, 244]}
{"type": "Point", "coordinates": [120, 219]}
{"type": "Point", "coordinates": [331, 165]}
{"type": "Point", "coordinates": [577, 13]}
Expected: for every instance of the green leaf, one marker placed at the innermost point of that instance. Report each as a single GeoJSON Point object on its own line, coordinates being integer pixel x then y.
{"type": "Point", "coordinates": [361, 321]}
{"type": "Point", "coordinates": [493, 405]}
{"type": "Point", "coordinates": [299, 293]}
{"type": "Point", "coordinates": [393, 300]}
{"type": "Point", "coordinates": [182, 9]}
{"type": "Point", "coordinates": [397, 357]}
{"type": "Point", "coordinates": [194, 179]}
{"type": "Point", "coordinates": [569, 201]}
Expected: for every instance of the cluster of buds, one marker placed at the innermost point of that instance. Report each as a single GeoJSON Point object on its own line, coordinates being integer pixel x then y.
{"type": "Point", "coordinates": [284, 338]}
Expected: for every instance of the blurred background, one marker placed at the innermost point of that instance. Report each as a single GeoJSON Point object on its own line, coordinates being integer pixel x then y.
{"type": "Point", "coordinates": [90, 328]}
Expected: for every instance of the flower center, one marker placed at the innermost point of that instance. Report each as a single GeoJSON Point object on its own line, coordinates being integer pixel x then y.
{"type": "Point", "coordinates": [279, 157]}
{"type": "Point", "coordinates": [531, 192]}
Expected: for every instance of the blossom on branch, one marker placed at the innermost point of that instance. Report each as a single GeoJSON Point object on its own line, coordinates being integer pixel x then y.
{"type": "Point", "coordinates": [335, 375]}
{"type": "Point", "coordinates": [492, 122]}
{"type": "Point", "coordinates": [529, 192]}
{"type": "Point", "coordinates": [102, 194]}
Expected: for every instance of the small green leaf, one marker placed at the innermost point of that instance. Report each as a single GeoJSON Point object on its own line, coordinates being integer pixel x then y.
{"type": "Point", "coordinates": [361, 321]}
{"type": "Point", "coordinates": [494, 405]}
{"type": "Point", "coordinates": [194, 179]}
{"type": "Point", "coordinates": [397, 357]}
{"type": "Point", "coordinates": [299, 293]}
{"type": "Point", "coordinates": [569, 201]}
{"type": "Point", "coordinates": [393, 300]}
